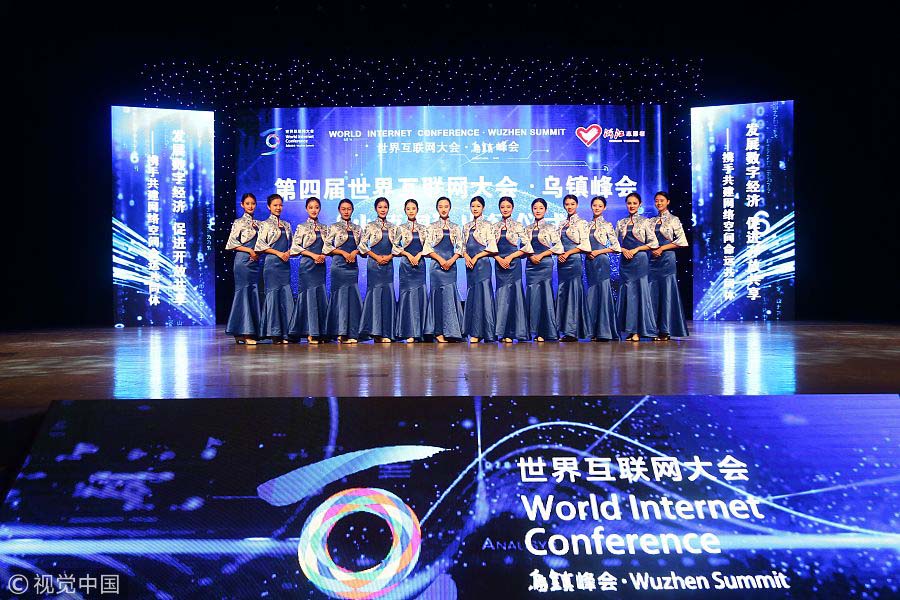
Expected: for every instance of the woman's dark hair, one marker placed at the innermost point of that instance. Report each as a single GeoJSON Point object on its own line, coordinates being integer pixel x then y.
{"type": "Point", "coordinates": [539, 201]}
{"type": "Point", "coordinates": [600, 198]}
{"type": "Point", "coordinates": [439, 201]}
{"type": "Point", "coordinates": [663, 194]}
{"type": "Point", "coordinates": [346, 201]}
{"type": "Point", "coordinates": [505, 199]}
{"type": "Point", "coordinates": [477, 199]}
{"type": "Point", "coordinates": [636, 195]}
{"type": "Point", "coordinates": [411, 201]}
{"type": "Point", "coordinates": [381, 199]}
{"type": "Point", "coordinates": [272, 198]}
{"type": "Point", "coordinates": [572, 196]}
{"type": "Point", "coordinates": [247, 195]}
{"type": "Point", "coordinates": [313, 199]}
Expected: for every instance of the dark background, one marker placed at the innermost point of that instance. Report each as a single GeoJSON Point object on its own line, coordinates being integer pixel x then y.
{"type": "Point", "coordinates": [66, 67]}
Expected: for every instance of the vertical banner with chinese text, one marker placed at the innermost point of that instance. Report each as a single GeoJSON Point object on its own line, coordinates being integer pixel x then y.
{"type": "Point", "coordinates": [163, 216]}
{"type": "Point", "coordinates": [743, 190]}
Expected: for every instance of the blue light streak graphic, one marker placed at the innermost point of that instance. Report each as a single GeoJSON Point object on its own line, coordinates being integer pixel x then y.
{"type": "Point", "coordinates": [299, 483]}
{"type": "Point", "coordinates": [776, 266]}
{"type": "Point", "coordinates": [130, 258]}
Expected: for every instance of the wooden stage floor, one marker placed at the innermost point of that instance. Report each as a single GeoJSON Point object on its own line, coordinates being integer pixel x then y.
{"type": "Point", "coordinates": [37, 367]}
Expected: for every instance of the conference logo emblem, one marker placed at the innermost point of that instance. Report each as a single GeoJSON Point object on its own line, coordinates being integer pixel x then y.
{"type": "Point", "coordinates": [273, 141]}
{"type": "Point", "coordinates": [388, 578]}
{"type": "Point", "coordinates": [334, 580]}
{"type": "Point", "coordinates": [590, 134]}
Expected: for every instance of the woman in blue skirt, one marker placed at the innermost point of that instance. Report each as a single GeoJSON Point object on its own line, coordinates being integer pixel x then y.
{"type": "Point", "coordinates": [311, 307]}
{"type": "Point", "coordinates": [480, 314]}
{"type": "Point", "coordinates": [544, 240]}
{"type": "Point", "coordinates": [512, 244]}
{"type": "Point", "coordinates": [634, 311]}
{"type": "Point", "coordinates": [444, 245]}
{"type": "Point", "coordinates": [407, 241]}
{"type": "Point", "coordinates": [663, 271]}
{"type": "Point", "coordinates": [380, 307]}
{"type": "Point", "coordinates": [571, 315]}
{"type": "Point", "coordinates": [601, 308]}
{"type": "Point", "coordinates": [345, 302]}
{"type": "Point", "coordinates": [275, 241]}
{"type": "Point", "coordinates": [243, 321]}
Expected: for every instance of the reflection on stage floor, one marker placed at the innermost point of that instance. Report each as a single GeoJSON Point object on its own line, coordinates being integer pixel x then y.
{"type": "Point", "coordinates": [184, 362]}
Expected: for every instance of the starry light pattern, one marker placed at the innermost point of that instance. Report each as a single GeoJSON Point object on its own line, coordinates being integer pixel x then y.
{"type": "Point", "coordinates": [236, 88]}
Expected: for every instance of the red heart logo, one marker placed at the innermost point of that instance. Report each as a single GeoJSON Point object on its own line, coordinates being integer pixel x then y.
{"type": "Point", "coordinates": [589, 135]}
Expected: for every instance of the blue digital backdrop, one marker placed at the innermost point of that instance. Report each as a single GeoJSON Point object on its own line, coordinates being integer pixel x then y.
{"type": "Point", "coordinates": [742, 159]}
{"type": "Point", "coordinates": [436, 498]}
{"type": "Point", "coordinates": [424, 152]}
{"type": "Point", "coordinates": [163, 216]}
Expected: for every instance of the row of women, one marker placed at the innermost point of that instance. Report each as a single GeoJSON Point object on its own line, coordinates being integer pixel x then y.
{"type": "Point", "coordinates": [648, 304]}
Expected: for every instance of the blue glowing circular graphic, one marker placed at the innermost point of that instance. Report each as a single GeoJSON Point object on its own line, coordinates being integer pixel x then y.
{"type": "Point", "coordinates": [338, 582]}
{"type": "Point", "coordinates": [272, 140]}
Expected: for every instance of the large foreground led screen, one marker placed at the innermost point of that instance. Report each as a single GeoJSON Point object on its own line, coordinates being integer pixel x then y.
{"type": "Point", "coordinates": [163, 216]}
{"type": "Point", "coordinates": [470, 498]}
{"type": "Point", "coordinates": [743, 188]}
{"type": "Point", "coordinates": [424, 152]}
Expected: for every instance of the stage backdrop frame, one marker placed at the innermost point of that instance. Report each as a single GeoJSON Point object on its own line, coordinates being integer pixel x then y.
{"type": "Point", "coordinates": [423, 152]}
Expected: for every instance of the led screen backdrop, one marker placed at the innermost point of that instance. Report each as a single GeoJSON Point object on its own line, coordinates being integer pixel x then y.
{"type": "Point", "coordinates": [163, 216]}
{"type": "Point", "coordinates": [424, 152]}
{"type": "Point", "coordinates": [743, 188]}
{"type": "Point", "coordinates": [470, 498]}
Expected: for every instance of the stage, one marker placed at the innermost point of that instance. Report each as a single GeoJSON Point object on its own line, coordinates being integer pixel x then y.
{"type": "Point", "coordinates": [198, 184]}
{"type": "Point", "coordinates": [193, 362]}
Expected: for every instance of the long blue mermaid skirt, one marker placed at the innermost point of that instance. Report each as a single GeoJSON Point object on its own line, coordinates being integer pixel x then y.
{"type": "Point", "coordinates": [311, 308]}
{"type": "Point", "coordinates": [479, 316]}
{"type": "Point", "coordinates": [345, 302]}
{"type": "Point", "coordinates": [243, 320]}
{"type": "Point", "coordinates": [539, 294]}
{"type": "Point", "coordinates": [634, 311]}
{"type": "Point", "coordinates": [413, 301]}
{"type": "Point", "coordinates": [512, 317]}
{"type": "Point", "coordinates": [664, 293]}
{"type": "Point", "coordinates": [444, 315]}
{"type": "Point", "coordinates": [380, 307]}
{"type": "Point", "coordinates": [571, 315]}
{"type": "Point", "coordinates": [601, 308]}
{"type": "Point", "coordinates": [278, 305]}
